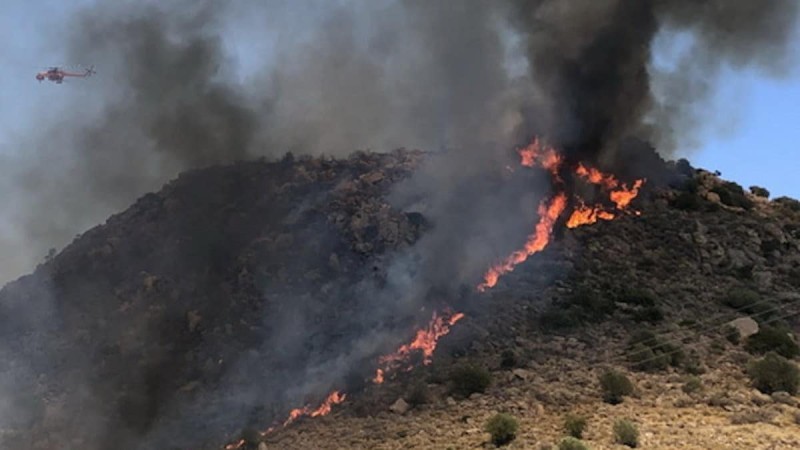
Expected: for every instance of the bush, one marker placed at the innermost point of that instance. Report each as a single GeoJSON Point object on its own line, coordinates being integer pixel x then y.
{"type": "Point", "coordinates": [759, 191]}
{"type": "Point", "coordinates": [642, 305]}
{"type": "Point", "coordinates": [693, 385]}
{"type": "Point", "coordinates": [557, 318]}
{"type": "Point", "coordinates": [626, 433]}
{"type": "Point", "coordinates": [571, 443]}
{"type": "Point", "coordinates": [508, 359]}
{"type": "Point", "coordinates": [418, 394]}
{"type": "Point", "coordinates": [693, 364]}
{"type": "Point", "coordinates": [503, 428]}
{"type": "Point", "coordinates": [687, 201]}
{"type": "Point", "coordinates": [732, 194]}
{"type": "Point", "coordinates": [750, 302]}
{"type": "Point", "coordinates": [469, 379]}
{"type": "Point", "coordinates": [788, 203]}
{"type": "Point", "coordinates": [769, 246]}
{"type": "Point", "coordinates": [647, 352]}
{"type": "Point", "coordinates": [615, 386]}
{"type": "Point", "coordinates": [772, 339]}
{"type": "Point", "coordinates": [732, 334]}
{"type": "Point", "coordinates": [774, 373]}
{"type": "Point", "coordinates": [575, 426]}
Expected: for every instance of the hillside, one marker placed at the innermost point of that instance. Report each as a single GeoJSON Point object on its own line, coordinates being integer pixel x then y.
{"type": "Point", "coordinates": [682, 270]}
{"type": "Point", "coordinates": [238, 292]}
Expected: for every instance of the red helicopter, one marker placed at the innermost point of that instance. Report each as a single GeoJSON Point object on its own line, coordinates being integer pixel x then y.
{"type": "Point", "coordinates": [57, 74]}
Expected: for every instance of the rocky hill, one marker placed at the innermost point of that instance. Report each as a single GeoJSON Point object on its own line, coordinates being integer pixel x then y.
{"type": "Point", "coordinates": [207, 310]}
{"type": "Point", "coordinates": [680, 300]}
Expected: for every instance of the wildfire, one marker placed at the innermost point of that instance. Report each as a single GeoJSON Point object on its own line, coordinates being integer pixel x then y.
{"type": "Point", "coordinates": [536, 242]}
{"type": "Point", "coordinates": [536, 154]}
{"type": "Point", "coordinates": [546, 157]}
{"type": "Point", "coordinates": [424, 341]}
{"type": "Point", "coordinates": [334, 398]}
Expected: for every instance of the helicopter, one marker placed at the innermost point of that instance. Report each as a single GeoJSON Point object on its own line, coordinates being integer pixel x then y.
{"type": "Point", "coordinates": [57, 74]}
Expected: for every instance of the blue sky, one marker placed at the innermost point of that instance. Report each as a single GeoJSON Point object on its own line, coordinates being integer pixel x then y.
{"type": "Point", "coordinates": [758, 144]}
{"type": "Point", "coordinates": [762, 146]}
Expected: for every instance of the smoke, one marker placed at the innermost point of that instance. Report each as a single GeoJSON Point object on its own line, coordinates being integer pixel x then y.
{"type": "Point", "coordinates": [593, 62]}
{"type": "Point", "coordinates": [195, 83]}
{"type": "Point", "coordinates": [170, 95]}
{"type": "Point", "coordinates": [192, 84]}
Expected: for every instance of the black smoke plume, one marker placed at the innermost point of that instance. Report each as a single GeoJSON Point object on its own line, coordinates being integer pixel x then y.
{"type": "Point", "coordinates": [592, 62]}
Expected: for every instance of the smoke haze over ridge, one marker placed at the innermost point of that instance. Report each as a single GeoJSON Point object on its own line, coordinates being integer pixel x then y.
{"type": "Point", "coordinates": [343, 75]}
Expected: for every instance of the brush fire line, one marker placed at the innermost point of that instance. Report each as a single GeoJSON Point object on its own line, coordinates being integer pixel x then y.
{"type": "Point", "coordinates": [536, 154]}
{"type": "Point", "coordinates": [425, 341]}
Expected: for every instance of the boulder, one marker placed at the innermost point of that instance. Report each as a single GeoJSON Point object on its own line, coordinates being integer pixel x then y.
{"type": "Point", "coordinates": [746, 326]}
{"type": "Point", "coordinates": [399, 407]}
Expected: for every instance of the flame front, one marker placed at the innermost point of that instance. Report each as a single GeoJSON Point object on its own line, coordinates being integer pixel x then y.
{"type": "Point", "coordinates": [424, 341]}
{"type": "Point", "coordinates": [334, 398]}
{"type": "Point", "coordinates": [534, 155]}
{"type": "Point", "coordinates": [536, 242]}
{"type": "Point", "coordinates": [538, 155]}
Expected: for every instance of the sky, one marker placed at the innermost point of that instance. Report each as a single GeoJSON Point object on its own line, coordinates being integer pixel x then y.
{"type": "Point", "coordinates": [761, 120]}
{"type": "Point", "coordinates": [754, 119]}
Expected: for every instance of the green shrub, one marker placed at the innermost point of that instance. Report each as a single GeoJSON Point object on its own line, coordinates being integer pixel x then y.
{"type": "Point", "coordinates": [508, 359]}
{"type": "Point", "coordinates": [788, 203]}
{"type": "Point", "coordinates": [640, 305]}
{"type": "Point", "coordinates": [759, 191]}
{"type": "Point", "coordinates": [626, 433]}
{"type": "Point", "coordinates": [772, 339]}
{"type": "Point", "coordinates": [774, 373]}
{"type": "Point", "coordinates": [418, 394]}
{"type": "Point", "coordinates": [558, 318]}
{"type": "Point", "coordinates": [575, 426]}
{"type": "Point", "coordinates": [590, 302]}
{"type": "Point", "coordinates": [693, 364]}
{"type": "Point", "coordinates": [638, 297]}
{"type": "Point", "coordinates": [687, 201]}
{"type": "Point", "coordinates": [571, 443]}
{"type": "Point", "coordinates": [647, 352]}
{"type": "Point", "coordinates": [768, 246]}
{"type": "Point", "coordinates": [732, 334]}
{"type": "Point", "coordinates": [748, 301]}
{"type": "Point", "coordinates": [503, 428]}
{"type": "Point", "coordinates": [468, 379]}
{"type": "Point", "coordinates": [732, 194]}
{"type": "Point", "coordinates": [615, 386]}
{"type": "Point", "coordinates": [693, 385]}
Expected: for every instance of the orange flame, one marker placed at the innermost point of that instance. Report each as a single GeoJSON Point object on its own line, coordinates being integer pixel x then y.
{"type": "Point", "coordinates": [334, 398]}
{"type": "Point", "coordinates": [624, 196]}
{"type": "Point", "coordinates": [547, 158]}
{"type": "Point", "coordinates": [425, 341]}
{"type": "Point", "coordinates": [536, 242]}
{"type": "Point", "coordinates": [586, 215]}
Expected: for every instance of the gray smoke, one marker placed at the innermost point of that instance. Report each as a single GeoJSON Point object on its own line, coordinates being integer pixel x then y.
{"type": "Point", "coordinates": [373, 75]}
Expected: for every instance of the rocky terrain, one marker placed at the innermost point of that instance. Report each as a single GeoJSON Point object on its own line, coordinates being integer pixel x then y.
{"type": "Point", "coordinates": [217, 294]}
{"type": "Point", "coordinates": [569, 315]}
